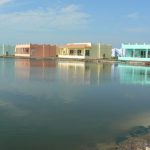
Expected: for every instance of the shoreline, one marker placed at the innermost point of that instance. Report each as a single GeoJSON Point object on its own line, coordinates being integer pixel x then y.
{"type": "Point", "coordinates": [65, 59]}
{"type": "Point", "coordinates": [112, 60]}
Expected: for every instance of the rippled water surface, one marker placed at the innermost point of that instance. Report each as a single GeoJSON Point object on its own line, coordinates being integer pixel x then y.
{"type": "Point", "coordinates": [61, 105]}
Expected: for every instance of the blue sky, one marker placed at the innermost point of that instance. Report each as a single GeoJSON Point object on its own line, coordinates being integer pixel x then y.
{"type": "Point", "coordinates": [64, 21]}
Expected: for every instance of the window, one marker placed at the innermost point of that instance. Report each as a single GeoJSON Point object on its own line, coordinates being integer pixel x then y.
{"type": "Point", "coordinates": [148, 53]}
{"type": "Point", "coordinates": [143, 54]}
{"type": "Point", "coordinates": [104, 55]}
{"type": "Point", "coordinates": [64, 52]}
{"type": "Point", "coordinates": [87, 52]}
{"type": "Point", "coordinates": [26, 50]}
{"type": "Point", "coordinates": [71, 52]}
{"type": "Point", "coordinates": [79, 52]}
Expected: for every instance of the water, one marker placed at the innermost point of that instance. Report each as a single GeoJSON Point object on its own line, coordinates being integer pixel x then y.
{"type": "Point", "coordinates": [60, 105]}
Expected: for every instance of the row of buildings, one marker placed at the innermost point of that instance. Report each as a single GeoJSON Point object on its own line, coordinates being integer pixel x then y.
{"type": "Point", "coordinates": [127, 52]}
{"type": "Point", "coordinates": [72, 51]}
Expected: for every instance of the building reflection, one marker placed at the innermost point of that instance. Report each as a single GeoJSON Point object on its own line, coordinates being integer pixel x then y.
{"type": "Point", "coordinates": [33, 69]}
{"type": "Point", "coordinates": [85, 73]}
{"type": "Point", "coordinates": [134, 74]}
{"type": "Point", "coordinates": [68, 71]}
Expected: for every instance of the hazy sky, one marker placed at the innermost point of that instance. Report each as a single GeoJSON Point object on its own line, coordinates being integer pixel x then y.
{"type": "Point", "coordinates": [62, 21]}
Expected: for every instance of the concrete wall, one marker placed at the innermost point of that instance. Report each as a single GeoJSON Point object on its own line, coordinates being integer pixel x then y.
{"type": "Point", "coordinates": [98, 50]}
{"type": "Point", "coordinates": [94, 52]}
{"type": "Point", "coordinates": [105, 51]}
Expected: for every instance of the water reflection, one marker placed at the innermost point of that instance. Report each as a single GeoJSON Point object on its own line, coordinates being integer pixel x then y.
{"type": "Point", "coordinates": [85, 73]}
{"type": "Point", "coordinates": [50, 105]}
{"type": "Point", "coordinates": [33, 69]}
{"type": "Point", "coordinates": [72, 72]}
{"type": "Point", "coordinates": [134, 74]}
{"type": "Point", "coordinates": [5, 73]}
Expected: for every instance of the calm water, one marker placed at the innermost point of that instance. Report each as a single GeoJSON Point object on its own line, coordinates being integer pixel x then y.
{"type": "Point", "coordinates": [48, 105]}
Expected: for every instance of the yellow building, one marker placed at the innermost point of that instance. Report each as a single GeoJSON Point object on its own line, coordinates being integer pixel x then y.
{"type": "Point", "coordinates": [85, 51]}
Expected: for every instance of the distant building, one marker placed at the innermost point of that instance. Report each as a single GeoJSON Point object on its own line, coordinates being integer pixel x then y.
{"type": "Point", "coordinates": [136, 52]}
{"type": "Point", "coordinates": [85, 51]}
{"type": "Point", "coordinates": [35, 50]}
{"type": "Point", "coordinates": [7, 50]}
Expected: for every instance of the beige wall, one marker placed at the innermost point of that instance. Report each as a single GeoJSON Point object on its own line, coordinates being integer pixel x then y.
{"type": "Point", "coordinates": [105, 49]}
{"type": "Point", "coordinates": [98, 51]}
{"type": "Point", "coordinates": [94, 54]}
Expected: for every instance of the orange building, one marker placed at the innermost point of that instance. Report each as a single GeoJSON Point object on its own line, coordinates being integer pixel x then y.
{"type": "Point", "coordinates": [35, 50]}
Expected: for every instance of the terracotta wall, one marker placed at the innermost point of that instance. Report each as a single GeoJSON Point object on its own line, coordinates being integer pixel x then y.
{"type": "Point", "coordinates": [43, 51]}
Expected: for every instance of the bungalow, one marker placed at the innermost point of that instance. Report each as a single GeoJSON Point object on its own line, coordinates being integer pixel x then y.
{"type": "Point", "coordinates": [85, 51]}
{"type": "Point", "coordinates": [35, 50]}
{"type": "Point", "coordinates": [136, 52]}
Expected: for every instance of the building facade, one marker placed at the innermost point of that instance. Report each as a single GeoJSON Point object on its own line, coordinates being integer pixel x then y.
{"type": "Point", "coordinates": [136, 52]}
{"type": "Point", "coordinates": [35, 50]}
{"type": "Point", "coordinates": [7, 50]}
{"type": "Point", "coordinates": [85, 51]}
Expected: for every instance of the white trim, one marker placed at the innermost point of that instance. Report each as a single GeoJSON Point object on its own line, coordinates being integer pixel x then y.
{"type": "Point", "coordinates": [22, 55]}
{"type": "Point", "coordinates": [71, 56]}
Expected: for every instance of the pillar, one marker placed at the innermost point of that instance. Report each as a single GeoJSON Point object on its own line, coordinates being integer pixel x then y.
{"type": "Point", "coordinates": [133, 53]}
{"type": "Point", "coordinates": [3, 49]}
{"type": "Point", "coordinates": [146, 53]}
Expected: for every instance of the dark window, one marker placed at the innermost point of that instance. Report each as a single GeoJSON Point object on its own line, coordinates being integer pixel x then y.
{"type": "Point", "coordinates": [104, 55]}
{"type": "Point", "coordinates": [148, 53]}
{"type": "Point", "coordinates": [79, 52]}
{"type": "Point", "coordinates": [27, 50]}
{"type": "Point", "coordinates": [143, 54]}
{"type": "Point", "coordinates": [7, 53]}
{"type": "Point", "coordinates": [87, 52]}
{"type": "Point", "coordinates": [71, 52]}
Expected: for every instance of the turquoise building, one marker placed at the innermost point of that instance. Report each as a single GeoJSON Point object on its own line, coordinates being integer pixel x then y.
{"type": "Point", "coordinates": [135, 52]}
{"type": "Point", "coordinates": [7, 50]}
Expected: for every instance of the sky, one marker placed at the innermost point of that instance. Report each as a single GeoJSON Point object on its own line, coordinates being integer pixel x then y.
{"type": "Point", "coordinates": [66, 21]}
